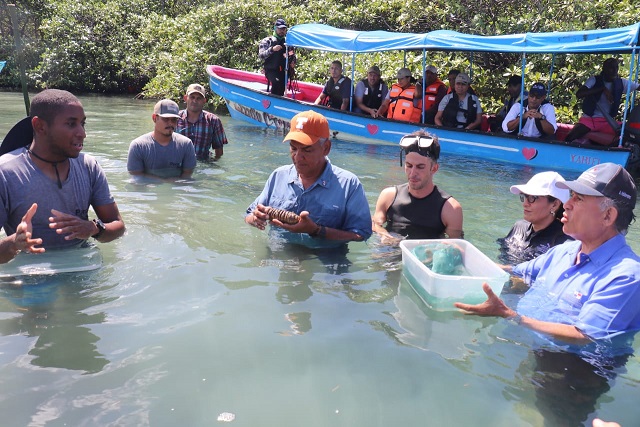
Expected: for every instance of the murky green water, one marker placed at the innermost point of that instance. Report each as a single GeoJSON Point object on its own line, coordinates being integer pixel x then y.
{"type": "Point", "coordinates": [195, 313]}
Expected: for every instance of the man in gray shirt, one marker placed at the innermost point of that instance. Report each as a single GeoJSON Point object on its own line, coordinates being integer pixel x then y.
{"type": "Point", "coordinates": [47, 187]}
{"type": "Point", "coordinates": [162, 153]}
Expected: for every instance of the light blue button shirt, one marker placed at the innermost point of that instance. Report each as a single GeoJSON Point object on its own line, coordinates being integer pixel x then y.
{"type": "Point", "coordinates": [600, 295]}
{"type": "Point", "coordinates": [336, 200]}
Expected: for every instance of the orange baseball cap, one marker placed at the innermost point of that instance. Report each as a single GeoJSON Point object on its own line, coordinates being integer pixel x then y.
{"type": "Point", "coordinates": [307, 128]}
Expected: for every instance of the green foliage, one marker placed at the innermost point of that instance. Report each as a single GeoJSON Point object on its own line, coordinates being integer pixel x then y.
{"type": "Point", "coordinates": [158, 47]}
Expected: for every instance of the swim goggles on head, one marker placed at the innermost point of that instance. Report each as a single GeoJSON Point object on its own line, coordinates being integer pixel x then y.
{"type": "Point", "coordinates": [421, 144]}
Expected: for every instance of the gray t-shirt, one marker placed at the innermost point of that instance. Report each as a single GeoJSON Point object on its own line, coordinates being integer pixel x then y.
{"type": "Point", "coordinates": [146, 155]}
{"type": "Point", "coordinates": [22, 183]}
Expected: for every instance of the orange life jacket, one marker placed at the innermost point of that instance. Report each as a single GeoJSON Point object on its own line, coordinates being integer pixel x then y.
{"type": "Point", "coordinates": [401, 106]}
{"type": "Point", "coordinates": [430, 93]}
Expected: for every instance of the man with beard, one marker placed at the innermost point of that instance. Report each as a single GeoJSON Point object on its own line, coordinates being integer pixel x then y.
{"type": "Point", "coordinates": [418, 209]}
{"type": "Point", "coordinates": [47, 187]}
{"type": "Point", "coordinates": [162, 153]}
{"type": "Point", "coordinates": [370, 92]}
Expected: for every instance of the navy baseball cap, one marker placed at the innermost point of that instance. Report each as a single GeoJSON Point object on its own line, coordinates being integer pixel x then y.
{"type": "Point", "coordinates": [538, 89]}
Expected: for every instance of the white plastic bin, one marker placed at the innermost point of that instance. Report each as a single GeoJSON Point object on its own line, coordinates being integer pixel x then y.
{"type": "Point", "coordinates": [440, 291]}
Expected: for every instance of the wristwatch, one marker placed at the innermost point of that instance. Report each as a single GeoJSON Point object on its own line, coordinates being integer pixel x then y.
{"type": "Point", "coordinates": [543, 117]}
{"type": "Point", "coordinates": [101, 228]}
{"type": "Point", "coordinates": [516, 319]}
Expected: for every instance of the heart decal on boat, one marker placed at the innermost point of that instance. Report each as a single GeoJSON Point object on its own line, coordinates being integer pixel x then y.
{"type": "Point", "coordinates": [266, 103]}
{"type": "Point", "coordinates": [373, 129]}
{"type": "Point", "coordinates": [529, 153]}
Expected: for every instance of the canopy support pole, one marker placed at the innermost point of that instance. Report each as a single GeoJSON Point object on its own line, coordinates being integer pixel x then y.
{"type": "Point", "coordinates": [424, 81]}
{"type": "Point", "coordinates": [522, 69]}
{"type": "Point", "coordinates": [628, 97]}
{"type": "Point", "coordinates": [553, 60]}
{"type": "Point", "coordinates": [353, 79]}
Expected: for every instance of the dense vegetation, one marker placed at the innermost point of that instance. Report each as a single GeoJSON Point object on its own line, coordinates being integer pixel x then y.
{"type": "Point", "coordinates": [158, 47]}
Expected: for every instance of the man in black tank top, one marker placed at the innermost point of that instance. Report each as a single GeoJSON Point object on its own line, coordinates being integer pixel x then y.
{"type": "Point", "coordinates": [417, 209]}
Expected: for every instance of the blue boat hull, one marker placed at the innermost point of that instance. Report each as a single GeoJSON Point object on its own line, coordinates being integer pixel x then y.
{"type": "Point", "coordinates": [263, 109]}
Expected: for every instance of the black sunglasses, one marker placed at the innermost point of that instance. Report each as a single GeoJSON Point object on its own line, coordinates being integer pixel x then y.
{"type": "Point", "coordinates": [528, 198]}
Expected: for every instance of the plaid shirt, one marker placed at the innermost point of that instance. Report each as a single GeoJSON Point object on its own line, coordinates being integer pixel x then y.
{"type": "Point", "coordinates": [206, 133]}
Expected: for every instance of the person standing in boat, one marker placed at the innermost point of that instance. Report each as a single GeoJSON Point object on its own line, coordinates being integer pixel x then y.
{"type": "Point", "coordinates": [418, 209]}
{"type": "Point", "coordinates": [337, 91]}
{"type": "Point", "coordinates": [272, 52]}
{"type": "Point", "coordinates": [434, 91]}
{"type": "Point", "coordinates": [541, 228]}
{"type": "Point", "coordinates": [539, 117]}
{"type": "Point", "coordinates": [601, 97]}
{"type": "Point", "coordinates": [203, 128]}
{"type": "Point", "coordinates": [400, 103]}
{"type": "Point", "coordinates": [330, 201]}
{"type": "Point", "coordinates": [370, 92]}
{"type": "Point", "coordinates": [47, 187]}
{"type": "Point", "coordinates": [162, 153]}
{"type": "Point", "coordinates": [460, 109]}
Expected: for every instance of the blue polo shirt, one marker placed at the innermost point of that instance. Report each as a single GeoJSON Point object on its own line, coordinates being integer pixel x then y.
{"type": "Point", "coordinates": [335, 200]}
{"type": "Point", "coordinates": [600, 295]}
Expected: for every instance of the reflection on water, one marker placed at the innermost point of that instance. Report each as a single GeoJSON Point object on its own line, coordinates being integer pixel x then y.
{"type": "Point", "coordinates": [194, 314]}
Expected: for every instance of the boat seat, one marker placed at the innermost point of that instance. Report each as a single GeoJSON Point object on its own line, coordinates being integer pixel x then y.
{"type": "Point", "coordinates": [562, 131]}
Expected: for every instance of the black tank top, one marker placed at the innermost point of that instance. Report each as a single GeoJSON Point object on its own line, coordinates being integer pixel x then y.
{"type": "Point", "coordinates": [417, 218]}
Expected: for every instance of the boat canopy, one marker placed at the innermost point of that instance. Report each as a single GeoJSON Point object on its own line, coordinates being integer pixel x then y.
{"type": "Point", "coordinates": [326, 38]}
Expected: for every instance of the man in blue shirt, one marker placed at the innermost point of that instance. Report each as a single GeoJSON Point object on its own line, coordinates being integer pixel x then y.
{"type": "Point", "coordinates": [588, 289]}
{"type": "Point", "coordinates": [330, 201]}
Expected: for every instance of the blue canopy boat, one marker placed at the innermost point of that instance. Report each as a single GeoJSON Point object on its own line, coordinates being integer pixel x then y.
{"type": "Point", "coordinates": [246, 96]}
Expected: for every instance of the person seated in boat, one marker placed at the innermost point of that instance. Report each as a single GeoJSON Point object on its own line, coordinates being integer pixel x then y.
{"type": "Point", "coordinates": [434, 91]}
{"type": "Point", "coordinates": [601, 97]}
{"type": "Point", "coordinates": [418, 209]}
{"type": "Point", "coordinates": [460, 109]}
{"type": "Point", "coordinates": [588, 290]}
{"type": "Point", "coordinates": [46, 188]}
{"type": "Point", "coordinates": [451, 78]}
{"type": "Point", "coordinates": [538, 118]}
{"type": "Point", "coordinates": [337, 91]}
{"type": "Point", "coordinates": [400, 103]}
{"type": "Point", "coordinates": [162, 153]}
{"type": "Point", "coordinates": [330, 201]}
{"type": "Point", "coordinates": [273, 53]}
{"type": "Point", "coordinates": [370, 92]}
{"type": "Point", "coordinates": [514, 87]}
{"type": "Point", "coordinates": [541, 227]}
{"type": "Point", "coordinates": [203, 128]}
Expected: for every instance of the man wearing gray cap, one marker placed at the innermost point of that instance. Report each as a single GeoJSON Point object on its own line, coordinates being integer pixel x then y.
{"type": "Point", "coordinates": [162, 153]}
{"type": "Point", "coordinates": [587, 289]}
{"type": "Point", "coordinates": [370, 92]}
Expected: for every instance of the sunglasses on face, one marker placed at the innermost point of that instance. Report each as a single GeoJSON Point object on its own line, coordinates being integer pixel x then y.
{"type": "Point", "coordinates": [528, 198]}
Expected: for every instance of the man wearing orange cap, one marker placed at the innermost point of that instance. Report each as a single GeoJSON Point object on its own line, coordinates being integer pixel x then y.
{"type": "Point", "coordinates": [330, 201]}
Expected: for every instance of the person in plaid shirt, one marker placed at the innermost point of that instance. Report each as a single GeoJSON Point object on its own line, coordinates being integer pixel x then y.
{"type": "Point", "coordinates": [203, 128]}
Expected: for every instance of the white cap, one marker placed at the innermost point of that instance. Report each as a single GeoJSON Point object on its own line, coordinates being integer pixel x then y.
{"type": "Point", "coordinates": [543, 184]}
